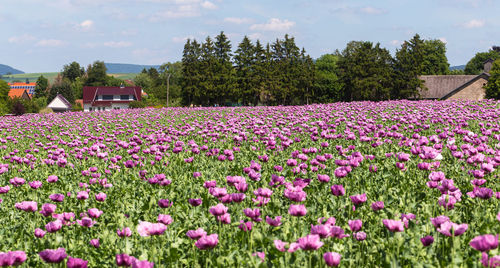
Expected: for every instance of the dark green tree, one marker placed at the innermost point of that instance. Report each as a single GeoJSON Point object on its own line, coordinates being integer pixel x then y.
{"type": "Point", "coordinates": [42, 84]}
{"type": "Point", "coordinates": [174, 70]}
{"type": "Point", "coordinates": [408, 65]}
{"type": "Point", "coordinates": [61, 86]}
{"type": "Point", "coordinates": [224, 87]}
{"type": "Point", "coordinates": [327, 87]}
{"type": "Point", "coordinates": [207, 94]}
{"type": "Point", "coordinates": [493, 86]}
{"type": "Point", "coordinates": [245, 65]}
{"type": "Point", "coordinates": [72, 71]}
{"type": "Point", "coordinates": [96, 74]}
{"type": "Point", "coordinates": [476, 64]}
{"type": "Point", "coordinates": [435, 61]}
{"type": "Point", "coordinates": [191, 72]}
{"type": "Point", "coordinates": [4, 97]}
{"type": "Point", "coordinates": [365, 71]}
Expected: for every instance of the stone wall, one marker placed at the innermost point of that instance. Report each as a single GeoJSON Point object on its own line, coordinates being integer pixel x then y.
{"type": "Point", "coordinates": [474, 91]}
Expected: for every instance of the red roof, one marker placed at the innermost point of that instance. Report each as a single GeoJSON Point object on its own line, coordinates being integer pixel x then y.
{"type": "Point", "coordinates": [18, 93]}
{"type": "Point", "coordinates": [89, 93]}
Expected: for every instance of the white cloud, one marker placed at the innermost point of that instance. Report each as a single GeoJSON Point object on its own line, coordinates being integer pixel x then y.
{"type": "Point", "coordinates": [473, 24]}
{"type": "Point", "coordinates": [235, 20]}
{"type": "Point", "coordinates": [50, 43]}
{"type": "Point", "coordinates": [396, 42]}
{"type": "Point", "coordinates": [179, 39]}
{"type": "Point", "coordinates": [255, 36]}
{"type": "Point", "coordinates": [25, 38]}
{"type": "Point", "coordinates": [274, 24]}
{"type": "Point", "coordinates": [120, 44]}
{"type": "Point", "coordinates": [183, 11]}
{"type": "Point", "coordinates": [208, 5]}
{"type": "Point", "coordinates": [371, 10]}
{"type": "Point", "coordinates": [85, 25]}
{"type": "Point", "coordinates": [442, 39]}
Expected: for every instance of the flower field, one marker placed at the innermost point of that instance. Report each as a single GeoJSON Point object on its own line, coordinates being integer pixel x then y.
{"type": "Point", "coordinates": [362, 184]}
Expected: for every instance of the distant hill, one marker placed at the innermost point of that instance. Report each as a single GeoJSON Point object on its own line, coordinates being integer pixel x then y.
{"type": "Point", "coordinates": [123, 68]}
{"type": "Point", "coordinates": [4, 69]}
{"type": "Point", "coordinates": [458, 67]}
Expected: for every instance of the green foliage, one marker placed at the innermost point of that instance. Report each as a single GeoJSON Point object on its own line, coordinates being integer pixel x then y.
{"type": "Point", "coordinates": [327, 85]}
{"type": "Point", "coordinates": [77, 88]}
{"type": "Point", "coordinates": [62, 87]}
{"type": "Point", "coordinates": [96, 74]}
{"type": "Point", "coordinates": [4, 98]}
{"type": "Point", "coordinates": [476, 64]}
{"type": "Point", "coordinates": [435, 61]}
{"type": "Point", "coordinates": [18, 107]}
{"type": "Point", "coordinates": [136, 104]}
{"type": "Point", "coordinates": [493, 86]}
{"type": "Point", "coordinates": [41, 87]}
{"type": "Point", "coordinates": [77, 107]}
{"type": "Point", "coordinates": [365, 71]}
{"type": "Point", "coordinates": [40, 101]}
{"type": "Point", "coordinates": [73, 71]}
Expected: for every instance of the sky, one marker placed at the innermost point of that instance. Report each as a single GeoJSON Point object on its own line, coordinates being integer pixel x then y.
{"type": "Point", "coordinates": [44, 35]}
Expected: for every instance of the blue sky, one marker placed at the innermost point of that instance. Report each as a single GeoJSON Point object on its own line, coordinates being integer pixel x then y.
{"type": "Point", "coordinates": [43, 35]}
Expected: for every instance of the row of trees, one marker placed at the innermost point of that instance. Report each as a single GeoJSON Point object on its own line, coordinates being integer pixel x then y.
{"type": "Point", "coordinates": [281, 73]}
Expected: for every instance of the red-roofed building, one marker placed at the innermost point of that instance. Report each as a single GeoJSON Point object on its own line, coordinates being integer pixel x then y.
{"type": "Point", "coordinates": [109, 98]}
{"type": "Point", "coordinates": [29, 87]}
{"type": "Point", "coordinates": [19, 93]}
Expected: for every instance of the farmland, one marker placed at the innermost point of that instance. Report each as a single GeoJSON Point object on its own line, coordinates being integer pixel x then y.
{"type": "Point", "coordinates": [361, 184]}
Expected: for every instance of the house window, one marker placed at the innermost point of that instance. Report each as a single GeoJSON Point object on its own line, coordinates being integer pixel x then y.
{"type": "Point", "coordinates": [124, 97]}
{"type": "Point", "coordinates": [107, 97]}
{"type": "Point", "coordinates": [90, 109]}
{"type": "Point", "coordinates": [134, 97]}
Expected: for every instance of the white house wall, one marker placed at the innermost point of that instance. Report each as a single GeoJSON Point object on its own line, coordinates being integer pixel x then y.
{"type": "Point", "coordinates": [86, 107]}
{"type": "Point", "coordinates": [57, 103]}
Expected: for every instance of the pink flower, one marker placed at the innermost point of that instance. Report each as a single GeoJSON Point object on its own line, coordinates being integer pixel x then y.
{"type": "Point", "coordinates": [280, 245]}
{"type": "Point", "coordinates": [485, 242]}
{"type": "Point", "coordinates": [76, 263]}
{"type": "Point", "coordinates": [35, 184]}
{"type": "Point", "coordinates": [360, 236]}
{"type": "Point", "coordinates": [332, 258]}
{"type": "Point", "coordinates": [164, 203]}
{"type": "Point", "coordinates": [452, 229]}
{"type": "Point", "coordinates": [94, 213]}
{"type": "Point", "coordinates": [261, 255]}
{"type": "Point", "coordinates": [490, 262]}
{"type": "Point", "coordinates": [358, 199]}
{"type": "Point", "coordinates": [12, 258]}
{"type": "Point", "coordinates": [52, 178]}
{"type": "Point", "coordinates": [28, 206]}
{"type": "Point", "coordinates": [245, 226]}
{"type": "Point", "coordinates": [224, 218]}
{"type": "Point", "coordinates": [323, 178]}
{"type": "Point", "coordinates": [323, 230]}
{"type": "Point", "coordinates": [142, 264]}
{"type": "Point", "coordinates": [253, 214]}
{"type": "Point", "coordinates": [165, 219]}
{"type": "Point", "coordinates": [124, 260]}
{"type": "Point", "coordinates": [427, 240]}
{"type": "Point", "coordinates": [95, 243]}
{"type": "Point", "coordinates": [82, 195]}
{"type": "Point", "coordinates": [124, 232]}
{"type": "Point", "coordinates": [195, 202]}
{"type": "Point", "coordinates": [5, 189]}
{"type": "Point", "coordinates": [274, 222]}
{"type": "Point", "coordinates": [297, 210]}
{"type": "Point", "coordinates": [218, 210]}
{"type": "Point", "coordinates": [100, 197]}
{"type": "Point", "coordinates": [53, 226]}
{"type": "Point", "coordinates": [378, 205]}
{"type": "Point", "coordinates": [355, 225]}
{"type": "Point", "coordinates": [207, 242]}
{"type": "Point", "coordinates": [57, 197]}
{"type": "Point", "coordinates": [439, 220]}
{"type": "Point", "coordinates": [53, 255]}
{"type": "Point", "coordinates": [86, 222]}
{"type": "Point", "coordinates": [39, 233]}
{"type": "Point", "coordinates": [147, 228]}
{"type": "Point", "coordinates": [196, 234]}
{"type": "Point", "coordinates": [310, 242]}
{"type": "Point", "coordinates": [17, 181]}
{"type": "Point", "coordinates": [48, 209]}
{"type": "Point", "coordinates": [393, 225]}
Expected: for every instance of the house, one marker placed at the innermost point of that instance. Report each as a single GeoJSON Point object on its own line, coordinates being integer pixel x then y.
{"type": "Point", "coordinates": [109, 98]}
{"type": "Point", "coordinates": [59, 104]}
{"type": "Point", "coordinates": [29, 87]}
{"type": "Point", "coordinates": [456, 87]}
{"type": "Point", "coordinates": [19, 93]}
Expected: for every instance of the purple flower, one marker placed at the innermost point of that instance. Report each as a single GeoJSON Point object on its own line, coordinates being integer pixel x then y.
{"type": "Point", "coordinates": [218, 210]}
{"type": "Point", "coordinates": [393, 225]}
{"type": "Point", "coordinates": [196, 234]}
{"type": "Point", "coordinates": [17, 181]}
{"type": "Point", "coordinates": [358, 199]}
{"type": "Point", "coordinates": [39, 233]}
{"type": "Point", "coordinates": [378, 205]}
{"type": "Point", "coordinates": [57, 197]}
{"type": "Point", "coordinates": [355, 225]}
{"type": "Point", "coordinates": [147, 228]}
{"type": "Point", "coordinates": [207, 242]}
{"type": "Point", "coordinates": [490, 262]}
{"type": "Point", "coordinates": [28, 206]}
{"type": "Point", "coordinates": [100, 197]}
{"type": "Point", "coordinates": [297, 210]}
{"type": "Point", "coordinates": [35, 184]}
{"type": "Point", "coordinates": [310, 242]}
{"type": "Point", "coordinates": [142, 264]}
{"type": "Point", "coordinates": [274, 222]}
{"type": "Point", "coordinates": [82, 195]}
{"type": "Point", "coordinates": [427, 240]}
{"type": "Point", "coordinates": [439, 220]}
{"type": "Point", "coordinates": [252, 214]}
{"type": "Point", "coordinates": [360, 236]}
{"type": "Point", "coordinates": [12, 258]}
{"type": "Point", "coordinates": [452, 229]}
{"type": "Point", "coordinates": [224, 218]}
{"type": "Point", "coordinates": [323, 230]}
{"type": "Point", "coordinates": [124, 232]}
{"type": "Point", "coordinates": [53, 255]}
{"type": "Point", "coordinates": [124, 260]}
{"type": "Point", "coordinates": [323, 178]}
{"type": "Point", "coordinates": [332, 258]}
{"type": "Point", "coordinates": [86, 222]}
{"type": "Point", "coordinates": [338, 190]}
{"type": "Point", "coordinates": [485, 242]}
{"type": "Point", "coordinates": [195, 202]}
{"type": "Point", "coordinates": [245, 226]}
{"type": "Point", "coordinates": [261, 255]}
{"type": "Point", "coordinates": [52, 178]}
{"type": "Point", "coordinates": [165, 219]}
{"type": "Point", "coordinates": [95, 243]}
{"type": "Point", "coordinates": [53, 226]}
{"type": "Point", "coordinates": [94, 213]}
{"type": "Point", "coordinates": [164, 203]}
{"type": "Point", "coordinates": [5, 189]}
{"type": "Point", "coordinates": [280, 245]}
{"type": "Point", "coordinates": [237, 197]}
{"type": "Point", "coordinates": [76, 263]}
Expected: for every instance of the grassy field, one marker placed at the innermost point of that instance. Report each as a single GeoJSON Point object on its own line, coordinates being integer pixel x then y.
{"type": "Point", "coordinates": [32, 77]}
